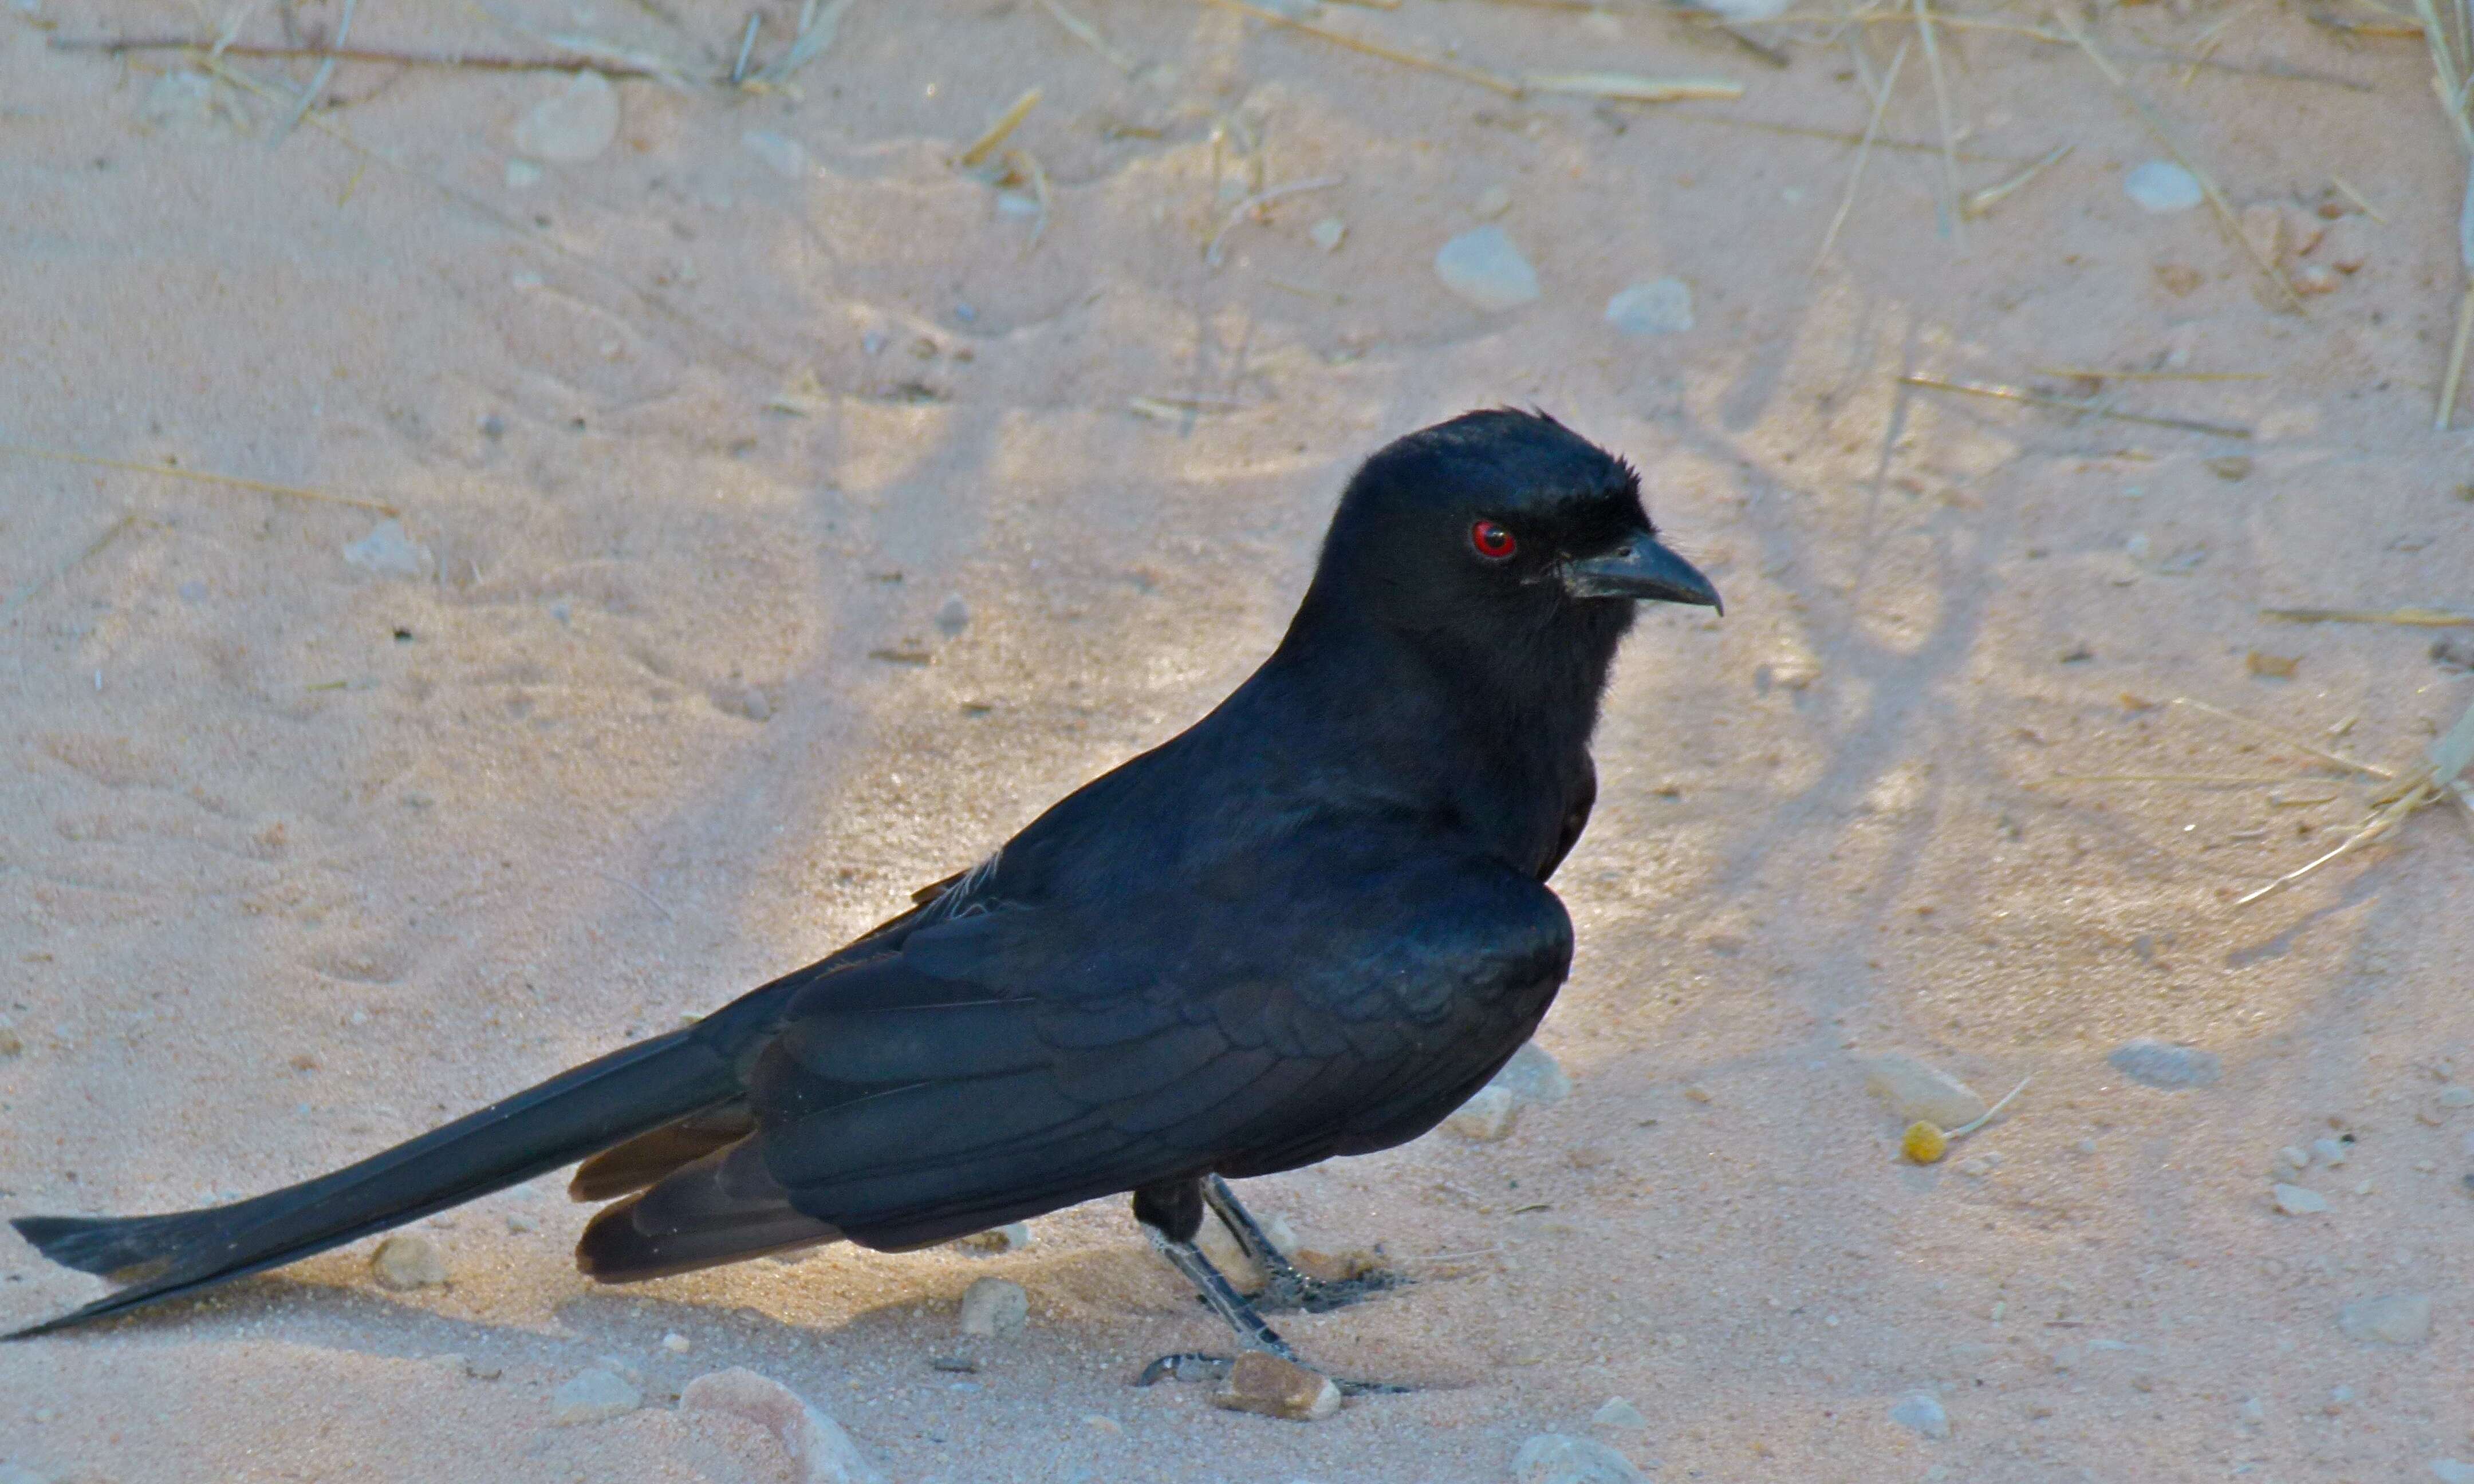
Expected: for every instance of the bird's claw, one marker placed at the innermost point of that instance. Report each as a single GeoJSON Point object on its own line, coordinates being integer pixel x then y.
{"type": "Point", "coordinates": [1197, 1366]}
{"type": "Point", "coordinates": [1187, 1366]}
{"type": "Point", "coordinates": [1291, 1291]}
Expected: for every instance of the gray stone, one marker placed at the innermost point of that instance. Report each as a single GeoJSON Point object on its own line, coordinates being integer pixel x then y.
{"type": "Point", "coordinates": [952, 616]}
{"type": "Point", "coordinates": [2330, 1152]}
{"type": "Point", "coordinates": [993, 1307]}
{"type": "Point", "coordinates": [1483, 267]}
{"type": "Point", "coordinates": [408, 1260]}
{"type": "Point", "coordinates": [2161, 185]}
{"type": "Point", "coordinates": [2299, 1200]}
{"type": "Point", "coordinates": [2391, 1319]}
{"type": "Point", "coordinates": [2448, 1470]}
{"type": "Point", "coordinates": [1013, 1236]}
{"type": "Point", "coordinates": [572, 124]}
{"type": "Point", "coordinates": [389, 552]}
{"type": "Point", "coordinates": [1921, 1413]}
{"type": "Point", "coordinates": [1920, 1093]}
{"type": "Point", "coordinates": [2157, 1064]}
{"type": "Point", "coordinates": [784, 156]}
{"type": "Point", "coordinates": [183, 99]}
{"type": "Point", "coordinates": [820, 1451]}
{"type": "Point", "coordinates": [1328, 233]}
{"type": "Point", "coordinates": [1662, 306]}
{"type": "Point", "coordinates": [593, 1397]}
{"type": "Point", "coordinates": [1560, 1458]}
{"type": "Point", "coordinates": [1619, 1416]}
{"type": "Point", "coordinates": [1486, 1118]}
{"type": "Point", "coordinates": [1532, 1075]}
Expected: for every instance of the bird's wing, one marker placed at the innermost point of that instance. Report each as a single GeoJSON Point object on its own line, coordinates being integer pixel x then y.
{"type": "Point", "coordinates": [1014, 1057]}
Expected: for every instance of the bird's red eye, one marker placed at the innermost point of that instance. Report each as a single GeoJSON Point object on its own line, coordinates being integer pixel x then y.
{"type": "Point", "coordinates": [1492, 541]}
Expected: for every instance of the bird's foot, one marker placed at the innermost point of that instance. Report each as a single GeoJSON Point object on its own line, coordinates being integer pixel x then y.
{"type": "Point", "coordinates": [1197, 1365]}
{"type": "Point", "coordinates": [1290, 1291]}
{"type": "Point", "coordinates": [1187, 1366]}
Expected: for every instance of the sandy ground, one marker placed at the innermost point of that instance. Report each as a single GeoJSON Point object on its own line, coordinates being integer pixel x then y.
{"type": "Point", "coordinates": [297, 857]}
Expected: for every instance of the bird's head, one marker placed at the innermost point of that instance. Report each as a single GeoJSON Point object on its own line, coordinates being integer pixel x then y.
{"type": "Point", "coordinates": [1496, 532]}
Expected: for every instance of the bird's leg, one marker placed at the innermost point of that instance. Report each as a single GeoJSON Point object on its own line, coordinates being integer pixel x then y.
{"type": "Point", "coordinates": [1170, 1213]}
{"type": "Point", "coordinates": [1224, 1300]}
{"type": "Point", "coordinates": [1285, 1288]}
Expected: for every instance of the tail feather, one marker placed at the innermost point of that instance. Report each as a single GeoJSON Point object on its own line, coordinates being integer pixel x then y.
{"type": "Point", "coordinates": [723, 1207]}
{"type": "Point", "coordinates": [649, 1156]}
{"type": "Point", "coordinates": [591, 1108]}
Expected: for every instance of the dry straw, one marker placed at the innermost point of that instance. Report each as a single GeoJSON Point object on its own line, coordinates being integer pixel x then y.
{"type": "Point", "coordinates": [2449, 29]}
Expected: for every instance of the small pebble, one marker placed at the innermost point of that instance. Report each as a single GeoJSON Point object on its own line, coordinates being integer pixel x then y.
{"type": "Point", "coordinates": [1013, 1236]}
{"type": "Point", "coordinates": [1263, 1382]}
{"type": "Point", "coordinates": [993, 1307]}
{"type": "Point", "coordinates": [389, 552]}
{"type": "Point", "coordinates": [1919, 1093]}
{"type": "Point", "coordinates": [1662, 306]}
{"type": "Point", "coordinates": [1977, 1168]}
{"type": "Point", "coordinates": [2391, 1319]}
{"type": "Point", "coordinates": [1102, 1423]}
{"type": "Point", "coordinates": [1492, 203]}
{"type": "Point", "coordinates": [952, 616]}
{"type": "Point", "coordinates": [1328, 233]}
{"type": "Point", "coordinates": [2180, 279]}
{"type": "Point", "coordinates": [1532, 1075]}
{"type": "Point", "coordinates": [2157, 1064]}
{"type": "Point", "coordinates": [572, 124]}
{"type": "Point", "coordinates": [2292, 1159]}
{"type": "Point", "coordinates": [1697, 1093]}
{"type": "Point", "coordinates": [784, 156]}
{"type": "Point", "coordinates": [1921, 1413]}
{"type": "Point", "coordinates": [2253, 1413]}
{"type": "Point", "coordinates": [2161, 185]}
{"type": "Point", "coordinates": [2315, 279]}
{"type": "Point", "coordinates": [1620, 1415]}
{"type": "Point", "coordinates": [2330, 1152]}
{"type": "Point", "coordinates": [2231, 468]}
{"type": "Point", "coordinates": [11, 1043]}
{"type": "Point", "coordinates": [522, 175]}
{"type": "Point", "coordinates": [2456, 1097]}
{"type": "Point", "coordinates": [408, 1260]}
{"type": "Point", "coordinates": [593, 1397]}
{"type": "Point", "coordinates": [677, 1344]}
{"type": "Point", "coordinates": [820, 1451]}
{"type": "Point", "coordinates": [1559, 1458]}
{"type": "Point", "coordinates": [1487, 1117]}
{"type": "Point", "coordinates": [2448, 1470]}
{"type": "Point", "coordinates": [2347, 246]}
{"type": "Point", "coordinates": [2299, 1200]}
{"type": "Point", "coordinates": [1483, 267]}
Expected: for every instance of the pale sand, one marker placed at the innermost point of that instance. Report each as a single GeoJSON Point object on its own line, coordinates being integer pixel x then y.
{"type": "Point", "coordinates": [548, 821]}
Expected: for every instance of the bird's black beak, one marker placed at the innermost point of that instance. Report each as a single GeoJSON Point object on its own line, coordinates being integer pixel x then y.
{"type": "Point", "coordinates": [1642, 570]}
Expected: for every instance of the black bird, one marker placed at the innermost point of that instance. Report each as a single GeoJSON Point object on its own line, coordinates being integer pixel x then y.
{"type": "Point", "coordinates": [1312, 925]}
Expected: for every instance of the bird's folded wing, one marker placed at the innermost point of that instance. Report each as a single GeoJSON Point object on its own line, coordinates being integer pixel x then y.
{"type": "Point", "coordinates": [1025, 1056]}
